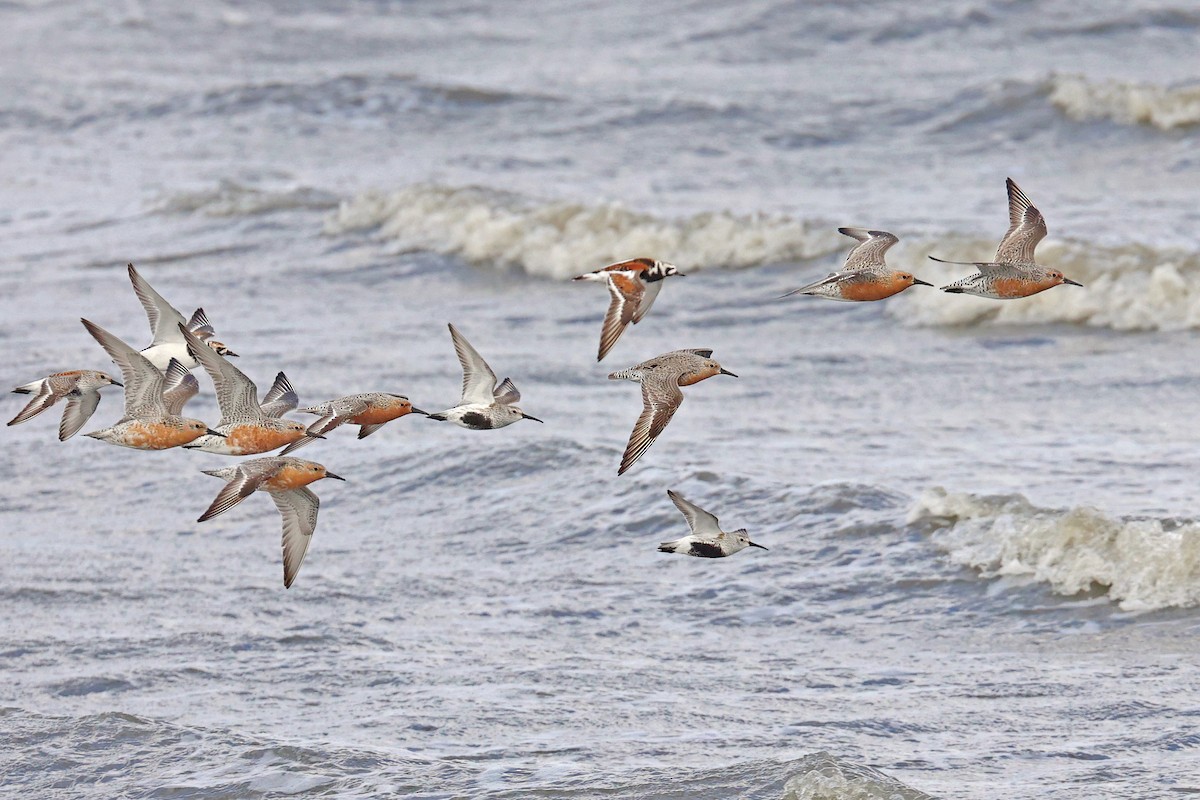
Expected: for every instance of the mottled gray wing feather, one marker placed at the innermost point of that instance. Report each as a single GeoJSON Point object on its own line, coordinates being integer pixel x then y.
{"type": "Point", "coordinates": [700, 521]}
{"type": "Point", "coordinates": [870, 253]}
{"type": "Point", "coordinates": [1026, 227]}
{"type": "Point", "coordinates": [80, 407]}
{"type": "Point", "coordinates": [243, 484]}
{"type": "Point", "coordinates": [366, 430]}
{"type": "Point", "coordinates": [299, 511]}
{"type": "Point", "coordinates": [181, 386]}
{"type": "Point", "coordinates": [661, 397]}
{"type": "Point", "coordinates": [237, 395]}
{"type": "Point", "coordinates": [164, 318]}
{"type": "Point", "coordinates": [40, 402]}
{"type": "Point", "coordinates": [832, 277]}
{"type": "Point", "coordinates": [478, 378]}
{"type": "Point", "coordinates": [280, 398]}
{"type": "Point", "coordinates": [143, 381]}
{"type": "Point", "coordinates": [506, 393]}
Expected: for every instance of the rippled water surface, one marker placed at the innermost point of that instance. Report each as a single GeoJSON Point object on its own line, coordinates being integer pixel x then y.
{"type": "Point", "coordinates": [984, 561]}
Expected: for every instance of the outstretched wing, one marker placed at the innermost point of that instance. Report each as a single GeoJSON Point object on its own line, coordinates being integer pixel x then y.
{"type": "Point", "coordinates": [627, 291]}
{"type": "Point", "coordinates": [661, 397]}
{"type": "Point", "coordinates": [243, 484]}
{"type": "Point", "coordinates": [280, 398]}
{"type": "Point", "coordinates": [44, 398]}
{"type": "Point", "coordinates": [700, 521]}
{"type": "Point", "coordinates": [1026, 227]}
{"type": "Point", "coordinates": [506, 393]}
{"type": "Point", "coordinates": [143, 381]}
{"type": "Point", "coordinates": [80, 407]}
{"type": "Point", "coordinates": [870, 252]}
{"type": "Point", "coordinates": [164, 318]}
{"type": "Point", "coordinates": [180, 385]}
{"type": "Point", "coordinates": [299, 511]}
{"type": "Point", "coordinates": [237, 395]}
{"type": "Point", "coordinates": [478, 378]}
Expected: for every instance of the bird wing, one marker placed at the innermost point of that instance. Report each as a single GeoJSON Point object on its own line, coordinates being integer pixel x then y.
{"type": "Point", "coordinates": [44, 398]}
{"type": "Point", "coordinates": [143, 381]}
{"type": "Point", "coordinates": [164, 318]}
{"type": "Point", "coordinates": [649, 295]}
{"type": "Point", "coordinates": [298, 508]}
{"type": "Point", "coordinates": [506, 393]}
{"type": "Point", "coordinates": [200, 325]}
{"type": "Point", "coordinates": [1026, 227]}
{"type": "Point", "coordinates": [870, 250]}
{"type": "Point", "coordinates": [280, 398]}
{"type": "Point", "coordinates": [80, 407]}
{"type": "Point", "coordinates": [237, 395]}
{"type": "Point", "coordinates": [700, 521]}
{"type": "Point", "coordinates": [180, 386]}
{"type": "Point", "coordinates": [478, 378]}
{"type": "Point", "coordinates": [243, 484]}
{"type": "Point", "coordinates": [660, 399]}
{"type": "Point", "coordinates": [627, 291]}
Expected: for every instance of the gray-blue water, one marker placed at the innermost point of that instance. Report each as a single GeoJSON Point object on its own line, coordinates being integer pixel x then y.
{"type": "Point", "coordinates": [984, 570]}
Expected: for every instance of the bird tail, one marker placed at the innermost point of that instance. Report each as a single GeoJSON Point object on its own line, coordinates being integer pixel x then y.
{"type": "Point", "coordinates": [667, 547]}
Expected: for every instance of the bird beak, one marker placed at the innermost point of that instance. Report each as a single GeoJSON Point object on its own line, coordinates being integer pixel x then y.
{"type": "Point", "coordinates": [759, 546]}
{"type": "Point", "coordinates": [211, 432]}
{"type": "Point", "coordinates": [919, 282]}
{"type": "Point", "coordinates": [535, 419]}
{"type": "Point", "coordinates": [1073, 283]}
{"type": "Point", "coordinates": [727, 372]}
{"type": "Point", "coordinates": [416, 410]}
{"type": "Point", "coordinates": [329, 474]}
{"type": "Point", "coordinates": [118, 383]}
{"type": "Point", "coordinates": [680, 275]}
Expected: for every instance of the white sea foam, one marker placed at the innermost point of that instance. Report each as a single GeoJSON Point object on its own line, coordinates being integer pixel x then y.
{"type": "Point", "coordinates": [232, 199]}
{"type": "Point", "coordinates": [830, 778]}
{"type": "Point", "coordinates": [1131, 287]}
{"type": "Point", "coordinates": [1163, 107]}
{"type": "Point", "coordinates": [1144, 564]}
{"type": "Point", "coordinates": [559, 239]}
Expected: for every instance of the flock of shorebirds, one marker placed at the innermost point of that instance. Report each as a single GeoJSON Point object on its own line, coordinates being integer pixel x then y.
{"type": "Point", "coordinates": [158, 382]}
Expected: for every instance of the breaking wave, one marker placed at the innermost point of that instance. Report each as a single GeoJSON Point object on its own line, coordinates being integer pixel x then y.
{"type": "Point", "coordinates": [560, 239]}
{"type": "Point", "coordinates": [1143, 564]}
{"type": "Point", "coordinates": [232, 199]}
{"type": "Point", "coordinates": [831, 778]}
{"type": "Point", "coordinates": [1162, 107]}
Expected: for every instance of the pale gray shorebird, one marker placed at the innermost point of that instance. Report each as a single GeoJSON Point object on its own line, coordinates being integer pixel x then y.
{"type": "Point", "coordinates": [285, 479]}
{"type": "Point", "coordinates": [865, 276]}
{"type": "Point", "coordinates": [164, 325]}
{"type": "Point", "coordinates": [148, 423]}
{"type": "Point", "coordinates": [661, 378]}
{"type": "Point", "coordinates": [1013, 272]}
{"type": "Point", "coordinates": [81, 387]}
{"type": "Point", "coordinates": [484, 405]}
{"type": "Point", "coordinates": [245, 427]}
{"type": "Point", "coordinates": [634, 285]}
{"type": "Point", "coordinates": [369, 411]}
{"type": "Point", "coordinates": [706, 540]}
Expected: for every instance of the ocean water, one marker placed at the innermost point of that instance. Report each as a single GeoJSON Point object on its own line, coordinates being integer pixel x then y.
{"type": "Point", "coordinates": [984, 568]}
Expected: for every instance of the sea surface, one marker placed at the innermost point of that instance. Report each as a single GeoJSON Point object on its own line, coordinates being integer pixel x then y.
{"type": "Point", "coordinates": [983, 518]}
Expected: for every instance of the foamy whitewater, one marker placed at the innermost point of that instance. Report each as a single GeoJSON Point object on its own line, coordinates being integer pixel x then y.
{"type": "Point", "coordinates": [984, 572]}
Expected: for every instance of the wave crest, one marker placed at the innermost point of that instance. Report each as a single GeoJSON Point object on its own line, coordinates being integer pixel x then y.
{"type": "Point", "coordinates": [560, 239]}
{"type": "Point", "coordinates": [232, 199]}
{"type": "Point", "coordinates": [1131, 287]}
{"type": "Point", "coordinates": [1143, 564]}
{"type": "Point", "coordinates": [826, 777]}
{"type": "Point", "coordinates": [1165, 108]}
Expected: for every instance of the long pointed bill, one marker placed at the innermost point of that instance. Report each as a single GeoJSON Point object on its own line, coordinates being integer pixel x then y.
{"type": "Point", "coordinates": [727, 372]}
{"type": "Point", "coordinates": [535, 419]}
{"type": "Point", "coordinates": [1073, 283]}
{"type": "Point", "coordinates": [211, 432]}
{"type": "Point", "coordinates": [118, 383]}
{"type": "Point", "coordinates": [416, 410]}
{"type": "Point", "coordinates": [329, 474]}
{"type": "Point", "coordinates": [919, 282]}
{"type": "Point", "coordinates": [759, 546]}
